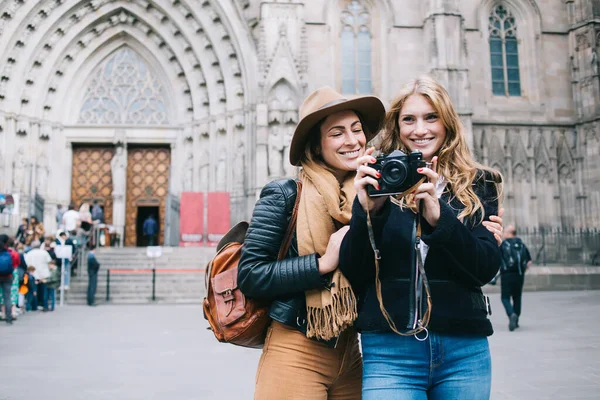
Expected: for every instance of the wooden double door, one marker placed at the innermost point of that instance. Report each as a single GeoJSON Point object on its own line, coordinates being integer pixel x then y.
{"type": "Point", "coordinates": [91, 178]}
{"type": "Point", "coordinates": [147, 191]}
{"type": "Point", "coordinates": [147, 186]}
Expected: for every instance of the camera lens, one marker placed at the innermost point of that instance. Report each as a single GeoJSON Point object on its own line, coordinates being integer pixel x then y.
{"type": "Point", "coordinates": [394, 172]}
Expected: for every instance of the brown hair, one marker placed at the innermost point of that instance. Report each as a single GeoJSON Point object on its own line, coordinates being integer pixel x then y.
{"type": "Point", "coordinates": [455, 162]}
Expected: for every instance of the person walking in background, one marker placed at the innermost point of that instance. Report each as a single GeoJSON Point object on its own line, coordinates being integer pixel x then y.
{"type": "Point", "coordinates": [30, 289]}
{"type": "Point", "coordinates": [60, 212]}
{"type": "Point", "coordinates": [150, 229]}
{"type": "Point", "coordinates": [39, 259]}
{"type": "Point", "coordinates": [93, 267]}
{"type": "Point", "coordinates": [513, 264]}
{"type": "Point", "coordinates": [53, 282]}
{"type": "Point", "coordinates": [35, 231]}
{"type": "Point", "coordinates": [21, 235]}
{"type": "Point", "coordinates": [63, 240]}
{"type": "Point", "coordinates": [70, 219]}
{"type": "Point", "coordinates": [97, 213]}
{"type": "Point", "coordinates": [7, 276]}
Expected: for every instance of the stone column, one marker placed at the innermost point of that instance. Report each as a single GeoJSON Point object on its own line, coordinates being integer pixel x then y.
{"type": "Point", "coordinates": [118, 166]}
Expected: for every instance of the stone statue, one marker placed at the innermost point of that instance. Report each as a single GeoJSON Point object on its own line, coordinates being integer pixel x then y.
{"type": "Point", "coordinates": [204, 172]}
{"type": "Point", "coordinates": [290, 170]}
{"type": "Point", "coordinates": [187, 175]}
{"type": "Point", "coordinates": [221, 183]}
{"type": "Point", "coordinates": [118, 167]}
{"type": "Point", "coordinates": [41, 183]}
{"type": "Point", "coordinates": [19, 182]}
{"type": "Point", "coordinates": [239, 168]}
{"type": "Point", "coordinates": [275, 151]}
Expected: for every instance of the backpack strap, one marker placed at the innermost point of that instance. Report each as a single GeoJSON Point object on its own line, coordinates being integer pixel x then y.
{"type": "Point", "coordinates": [289, 234]}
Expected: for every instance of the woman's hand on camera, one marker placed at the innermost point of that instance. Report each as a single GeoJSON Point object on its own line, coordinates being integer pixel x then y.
{"type": "Point", "coordinates": [495, 225]}
{"type": "Point", "coordinates": [365, 176]}
{"type": "Point", "coordinates": [426, 193]}
{"type": "Point", "coordinates": [330, 260]}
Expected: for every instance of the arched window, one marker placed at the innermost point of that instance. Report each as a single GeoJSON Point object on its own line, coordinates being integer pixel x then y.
{"type": "Point", "coordinates": [356, 49]}
{"type": "Point", "coordinates": [124, 90]}
{"type": "Point", "coordinates": [504, 54]}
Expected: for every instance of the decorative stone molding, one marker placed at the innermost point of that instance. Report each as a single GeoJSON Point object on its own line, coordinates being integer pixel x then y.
{"type": "Point", "coordinates": [45, 131]}
{"type": "Point", "coordinates": [22, 127]}
{"type": "Point", "coordinates": [221, 125]}
{"type": "Point", "coordinates": [238, 119]}
{"type": "Point", "coordinates": [204, 129]}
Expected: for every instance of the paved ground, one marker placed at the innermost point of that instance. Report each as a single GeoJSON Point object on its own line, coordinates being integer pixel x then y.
{"type": "Point", "coordinates": [165, 352]}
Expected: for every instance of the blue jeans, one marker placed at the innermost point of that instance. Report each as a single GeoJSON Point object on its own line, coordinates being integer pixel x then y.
{"type": "Point", "coordinates": [51, 293]}
{"type": "Point", "coordinates": [442, 367]}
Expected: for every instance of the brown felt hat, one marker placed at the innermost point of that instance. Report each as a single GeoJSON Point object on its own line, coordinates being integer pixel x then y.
{"type": "Point", "coordinates": [326, 101]}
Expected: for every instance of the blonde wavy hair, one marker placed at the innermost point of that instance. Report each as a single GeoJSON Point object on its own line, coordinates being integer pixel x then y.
{"type": "Point", "coordinates": [455, 162]}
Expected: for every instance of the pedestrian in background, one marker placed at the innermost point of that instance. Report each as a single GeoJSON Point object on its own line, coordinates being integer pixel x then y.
{"type": "Point", "coordinates": [93, 268]}
{"type": "Point", "coordinates": [403, 357]}
{"type": "Point", "coordinates": [39, 259]}
{"type": "Point", "coordinates": [60, 212]}
{"type": "Point", "coordinates": [515, 261]}
{"type": "Point", "coordinates": [7, 277]}
{"type": "Point", "coordinates": [150, 229]}
{"type": "Point", "coordinates": [53, 282]}
{"type": "Point", "coordinates": [64, 240]}
{"type": "Point", "coordinates": [70, 219]}
{"type": "Point", "coordinates": [97, 213]}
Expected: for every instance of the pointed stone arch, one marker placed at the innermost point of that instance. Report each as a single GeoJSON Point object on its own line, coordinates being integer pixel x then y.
{"type": "Point", "coordinates": [543, 165]}
{"type": "Point", "coordinates": [224, 37]}
{"type": "Point", "coordinates": [496, 155]}
{"type": "Point", "coordinates": [124, 90]}
{"type": "Point", "coordinates": [566, 166]}
{"type": "Point", "coordinates": [179, 105]}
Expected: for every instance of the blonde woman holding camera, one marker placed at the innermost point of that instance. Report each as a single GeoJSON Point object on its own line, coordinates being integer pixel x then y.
{"type": "Point", "coordinates": [421, 313]}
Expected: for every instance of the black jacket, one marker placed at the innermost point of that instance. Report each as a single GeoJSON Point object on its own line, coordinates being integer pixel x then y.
{"type": "Point", "coordinates": [260, 275]}
{"type": "Point", "coordinates": [461, 259]}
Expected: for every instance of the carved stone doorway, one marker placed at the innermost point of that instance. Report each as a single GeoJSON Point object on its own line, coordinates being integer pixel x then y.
{"type": "Point", "coordinates": [147, 186]}
{"type": "Point", "coordinates": [91, 177]}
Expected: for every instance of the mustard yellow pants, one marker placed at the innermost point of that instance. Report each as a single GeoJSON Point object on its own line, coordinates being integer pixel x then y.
{"type": "Point", "coordinates": [294, 367]}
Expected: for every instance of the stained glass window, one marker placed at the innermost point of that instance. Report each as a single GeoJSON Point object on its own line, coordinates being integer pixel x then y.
{"type": "Point", "coordinates": [356, 49]}
{"type": "Point", "coordinates": [124, 90]}
{"type": "Point", "coordinates": [504, 55]}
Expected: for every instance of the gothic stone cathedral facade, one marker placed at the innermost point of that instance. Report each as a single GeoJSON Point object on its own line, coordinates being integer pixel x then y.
{"type": "Point", "coordinates": [135, 101]}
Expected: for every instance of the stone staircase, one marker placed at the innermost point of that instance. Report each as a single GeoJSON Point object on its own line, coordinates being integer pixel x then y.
{"type": "Point", "coordinates": [179, 276]}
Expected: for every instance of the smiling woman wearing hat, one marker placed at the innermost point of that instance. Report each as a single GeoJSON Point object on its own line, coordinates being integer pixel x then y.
{"type": "Point", "coordinates": [311, 350]}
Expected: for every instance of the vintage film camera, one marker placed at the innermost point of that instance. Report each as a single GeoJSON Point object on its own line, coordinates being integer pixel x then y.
{"type": "Point", "coordinates": [398, 172]}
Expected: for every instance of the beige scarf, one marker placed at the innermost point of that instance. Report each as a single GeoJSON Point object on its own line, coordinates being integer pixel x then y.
{"type": "Point", "coordinates": [329, 311]}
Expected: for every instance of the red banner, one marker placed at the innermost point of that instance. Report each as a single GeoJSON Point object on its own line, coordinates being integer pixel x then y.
{"type": "Point", "coordinates": [218, 216]}
{"type": "Point", "coordinates": [191, 219]}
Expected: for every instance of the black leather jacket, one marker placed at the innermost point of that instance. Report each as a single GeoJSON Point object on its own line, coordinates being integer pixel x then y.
{"type": "Point", "coordinates": [462, 257]}
{"type": "Point", "coordinates": [260, 275]}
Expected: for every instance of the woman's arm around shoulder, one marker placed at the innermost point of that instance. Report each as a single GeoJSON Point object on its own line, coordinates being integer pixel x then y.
{"type": "Point", "coordinates": [260, 274]}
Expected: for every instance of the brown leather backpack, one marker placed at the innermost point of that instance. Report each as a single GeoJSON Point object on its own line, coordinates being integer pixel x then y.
{"type": "Point", "coordinates": [233, 317]}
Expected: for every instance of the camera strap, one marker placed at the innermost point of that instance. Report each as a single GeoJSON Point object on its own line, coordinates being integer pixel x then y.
{"type": "Point", "coordinates": [421, 321]}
